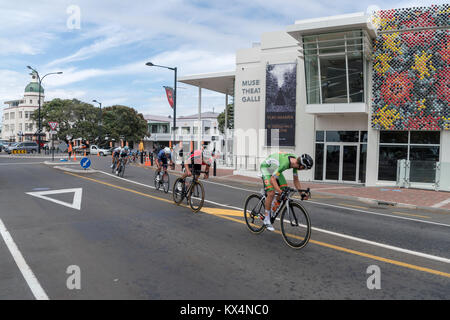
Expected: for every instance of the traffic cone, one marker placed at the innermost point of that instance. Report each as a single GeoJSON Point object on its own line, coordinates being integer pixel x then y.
{"type": "Point", "coordinates": [74, 156]}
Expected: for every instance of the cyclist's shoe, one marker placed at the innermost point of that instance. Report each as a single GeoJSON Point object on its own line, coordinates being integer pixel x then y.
{"type": "Point", "coordinates": [269, 226]}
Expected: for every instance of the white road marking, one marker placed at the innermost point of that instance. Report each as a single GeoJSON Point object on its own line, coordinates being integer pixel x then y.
{"type": "Point", "coordinates": [12, 163]}
{"type": "Point", "coordinates": [379, 214]}
{"type": "Point", "coordinates": [27, 273]}
{"type": "Point", "coordinates": [76, 203]}
{"type": "Point", "coordinates": [341, 235]}
{"type": "Point", "coordinates": [442, 203]}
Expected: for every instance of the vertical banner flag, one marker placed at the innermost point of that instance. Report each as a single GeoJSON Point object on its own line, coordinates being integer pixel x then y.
{"type": "Point", "coordinates": [281, 88]}
{"type": "Point", "coordinates": [169, 93]}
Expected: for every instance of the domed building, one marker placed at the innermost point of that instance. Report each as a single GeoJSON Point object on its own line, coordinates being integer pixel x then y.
{"type": "Point", "coordinates": [17, 124]}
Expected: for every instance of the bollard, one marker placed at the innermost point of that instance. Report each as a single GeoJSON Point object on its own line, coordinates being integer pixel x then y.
{"type": "Point", "coordinates": [214, 168]}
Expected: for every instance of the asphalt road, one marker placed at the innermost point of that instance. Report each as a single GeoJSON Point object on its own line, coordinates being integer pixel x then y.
{"type": "Point", "coordinates": [130, 241]}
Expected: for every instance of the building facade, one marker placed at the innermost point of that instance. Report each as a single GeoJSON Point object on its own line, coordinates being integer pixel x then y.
{"type": "Point", "coordinates": [189, 130]}
{"type": "Point", "coordinates": [17, 124]}
{"type": "Point", "coordinates": [358, 92]}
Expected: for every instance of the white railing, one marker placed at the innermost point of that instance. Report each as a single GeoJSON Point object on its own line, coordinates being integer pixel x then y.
{"type": "Point", "coordinates": [423, 174]}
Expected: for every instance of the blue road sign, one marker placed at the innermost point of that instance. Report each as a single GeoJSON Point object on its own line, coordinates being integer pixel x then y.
{"type": "Point", "coordinates": [85, 163]}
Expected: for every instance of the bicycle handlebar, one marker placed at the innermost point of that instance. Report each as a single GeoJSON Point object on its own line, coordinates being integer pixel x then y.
{"type": "Point", "coordinates": [304, 192]}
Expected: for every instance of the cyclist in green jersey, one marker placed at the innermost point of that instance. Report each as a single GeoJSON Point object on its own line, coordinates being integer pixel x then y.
{"type": "Point", "coordinates": [272, 173]}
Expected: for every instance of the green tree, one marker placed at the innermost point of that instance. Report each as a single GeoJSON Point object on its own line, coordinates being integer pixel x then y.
{"type": "Point", "coordinates": [230, 118]}
{"type": "Point", "coordinates": [124, 122]}
{"type": "Point", "coordinates": [75, 118]}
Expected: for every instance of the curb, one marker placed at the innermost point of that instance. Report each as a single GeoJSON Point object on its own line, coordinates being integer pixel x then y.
{"type": "Point", "coordinates": [339, 196]}
{"type": "Point", "coordinates": [75, 170]}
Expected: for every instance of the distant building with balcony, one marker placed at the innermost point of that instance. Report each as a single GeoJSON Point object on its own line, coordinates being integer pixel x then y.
{"type": "Point", "coordinates": [187, 131]}
{"type": "Point", "coordinates": [17, 124]}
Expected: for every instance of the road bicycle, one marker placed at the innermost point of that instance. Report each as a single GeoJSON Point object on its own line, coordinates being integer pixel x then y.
{"type": "Point", "coordinates": [121, 167]}
{"type": "Point", "coordinates": [294, 220]}
{"type": "Point", "coordinates": [162, 179]}
{"type": "Point", "coordinates": [194, 192]}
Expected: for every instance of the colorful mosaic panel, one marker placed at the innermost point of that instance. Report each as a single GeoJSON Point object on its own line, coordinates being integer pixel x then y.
{"type": "Point", "coordinates": [411, 69]}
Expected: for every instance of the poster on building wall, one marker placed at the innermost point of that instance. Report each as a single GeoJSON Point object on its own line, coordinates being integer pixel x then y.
{"type": "Point", "coordinates": [281, 89]}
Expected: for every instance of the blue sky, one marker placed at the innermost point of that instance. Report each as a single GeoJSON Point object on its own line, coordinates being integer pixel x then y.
{"type": "Point", "coordinates": [105, 58]}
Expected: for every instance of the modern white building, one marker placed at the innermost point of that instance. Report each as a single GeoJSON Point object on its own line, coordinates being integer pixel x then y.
{"type": "Point", "coordinates": [189, 131]}
{"type": "Point", "coordinates": [334, 88]}
{"type": "Point", "coordinates": [16, 121]}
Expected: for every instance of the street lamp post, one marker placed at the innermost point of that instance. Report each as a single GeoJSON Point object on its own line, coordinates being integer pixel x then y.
{"type": "Point", "coordinates": [101, 121]}
{"type": "Point", "coordinates": [39, 113]}
{"type": "Point", "coordinates": [174, 95]}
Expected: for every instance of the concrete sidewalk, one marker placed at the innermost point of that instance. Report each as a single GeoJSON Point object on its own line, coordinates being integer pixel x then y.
{"type": "Point", "coordinates": [400, 197]}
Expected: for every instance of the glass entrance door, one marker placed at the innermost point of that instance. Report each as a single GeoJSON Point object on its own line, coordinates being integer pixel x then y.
{"type": "Point", "coordinates": [349, 163]}
{"type": "Point", "coordinates": [341, 162]}
{"type": "Point", "coordinates": [333, 162]}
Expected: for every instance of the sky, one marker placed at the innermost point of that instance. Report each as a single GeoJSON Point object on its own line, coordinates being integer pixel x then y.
{"type": "Point", "coordinates": [101, 46]}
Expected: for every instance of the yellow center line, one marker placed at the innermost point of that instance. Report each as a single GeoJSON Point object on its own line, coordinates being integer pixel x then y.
{"type": "Point", "coordinates": [349, 205]}
{"type": "Point", "coordinates": [410, 214]}
{"type": "Point", "coordinates": [226, 215]}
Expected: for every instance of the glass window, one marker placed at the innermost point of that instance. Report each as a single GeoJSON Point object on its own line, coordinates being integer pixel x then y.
{"type": "Point", "coordinates": [363, 136]}
{"type": "Point", "coordinates": [319, 136]}
{"type": "Point", "coordinates": [312, 79]}
{"type": "Point", "coordinates": [154, 128]}
{"type": "Point", "coordinates": [394, 137]}
{"type": "Point", "coordinates": [387, 166]}
{"type": "Point", "coordinates": [333, 78]}
{"type": "Point", "coordinates": [424, 153]}
{"type": "Point", "coordinates": [318, 162]}
{"type": "Point", "coordinates": [339, 57]}
{"type": "Point", "coordinates": [425, 137]}
{"type": "Point", "coordinates": [342, 136]}
{"type": "Point", "coordinates": [362, 162]}
{"type": "Point", "coordinates": [355, 77]}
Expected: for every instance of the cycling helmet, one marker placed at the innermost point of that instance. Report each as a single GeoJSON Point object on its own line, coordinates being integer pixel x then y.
{"type": "Point", "coordinates": [167, 150]}
{"type": "Point", "coordinates": [125, 148]}
{"type": "Point", "coordinates": [306, 161]}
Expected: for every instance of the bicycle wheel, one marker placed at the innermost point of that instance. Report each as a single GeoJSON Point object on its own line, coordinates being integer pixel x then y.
{"type": "Point", "coordinates": [196, 196]}
{"type": "Point", "coordinates": [122, 170]}
{"type": "Point", "coordinates": [254, 210]}
{"type": "Point", "coordinates": [165, 182]}
{"type": "Point", "coordinates": [295, 226]}
{"type": "Point", "coordinates": [157, 183]}
{"type": "Point", "coordinates": [178, 191]}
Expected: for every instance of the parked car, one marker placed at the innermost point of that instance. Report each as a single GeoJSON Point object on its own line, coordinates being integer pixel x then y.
{"type": "Point", "coordinates": [28, 146]}
{"type": "Point", "coordinates": [94, 150]}
{"type": "Point", "coordinates": [8, 144]}
{"type": "Point", "coordinates": [3, 144]}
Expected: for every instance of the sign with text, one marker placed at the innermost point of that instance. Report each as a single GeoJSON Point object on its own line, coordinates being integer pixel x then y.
{"type": "Point", "coordinates": [251, 91]}
{"type": "Point", "coordinates": [281, 90]}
